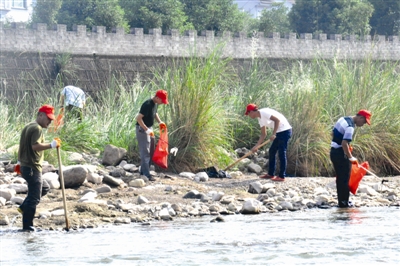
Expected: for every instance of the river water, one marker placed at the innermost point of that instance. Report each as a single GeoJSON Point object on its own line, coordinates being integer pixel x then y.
{"type": "Point", "coordinates": [359, 236]}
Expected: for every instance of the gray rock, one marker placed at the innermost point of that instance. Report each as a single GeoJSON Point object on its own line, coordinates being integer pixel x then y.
{"type": "Point", "coordinates": [176, 207]}
{"type": "Point", "coordinates": [164, 214]}
{"type": "Point", "coordinates": [218, 196]}
{"type": "Point", "coordinates": [90, 196]}
{"type": "Point", "coordinates": [142, 200]}
{"type": "Point", "coordinates": [367, 189]}
{"type": "Point", "coordinates": [122, 220]}
{"type": "Point", "coordinates": [193, 194]}
{"type": "Point", "coordinates": [19, 188]}
{"type": "Point", "coordinates": [187, 175]}
{"type": "Point", "coordinates": [46, 168]}
{"type": "Point", "coordinates": [17, 200]}
{"type": "Point", "coordinates": [137, 183]}
{"type": "Point", "coordinates": [130, 167]}
{"type": "Point", "coordinates": [2, 201]}
{"type": "Point", "coordinates": [254, 168]}
{"type": "Point", "coordinates": [7, 193]}
{"type": "Point", "coordinates": [94, 178]}
{"type": "Point", "coordinates": [103, 189]}
{"type": "Point", "coordinates": [4, 219]}
{"type": "Point", "coordinates": [286, 205]}
{"type": "Point", "coordinates": [118, 172]}
{"type": "Point", "coordinates": [52, 179]}
{"type": "Point", "coordinates": [255, 187]}
{"type": "Point", "coordinates": [218, 219]}
{"type": "Point", "coordinates": [171, 211]}
{"type": "Point", "coordinates": [123, 163]}
{"type": "Point", "coordinates": [113, 155]}
{"type": "Point", "coordinates": [74, 175]}
{"type": "Point", "coordinates": [75, 158]}
{"type": "Point", "coordinates": [201, 177]}
{"type": "Point", "coordinates": [251, 206]}
{"type": "Point", "coordinates": [112, 181]}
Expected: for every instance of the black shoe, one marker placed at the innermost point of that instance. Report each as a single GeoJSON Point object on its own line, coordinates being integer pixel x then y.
{"type": "Point", "coordinates": [346, 204]}
{"type": "Point", "coordinates": [152, 178]}
{"type": "Point", "coordinates": [29, 229]}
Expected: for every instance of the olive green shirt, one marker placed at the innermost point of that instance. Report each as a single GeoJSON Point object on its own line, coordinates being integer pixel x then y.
{"type": "Point", "coordinates": [31, 134]}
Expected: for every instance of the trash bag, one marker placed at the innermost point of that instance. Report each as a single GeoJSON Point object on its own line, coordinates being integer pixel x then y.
{"type": "Point", "coordinates": [160, 156]}
{"type": "Point", "coordinates": [58, 122]}
{"type": "Point", "coordinates": [357, 173]}
{"type": "Point", "coordinates": [213, 172]}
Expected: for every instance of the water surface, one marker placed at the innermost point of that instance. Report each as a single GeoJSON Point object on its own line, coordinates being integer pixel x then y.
{"type": "Point", "coordinates": [360, 236]}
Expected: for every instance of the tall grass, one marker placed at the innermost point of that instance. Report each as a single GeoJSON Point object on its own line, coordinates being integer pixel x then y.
{"type": "Point", "coordinates": [197, 117]}
{"type": "Point", "coordinates": [207, 102]}
{"type": "Point", "coordinates": [314, 95]}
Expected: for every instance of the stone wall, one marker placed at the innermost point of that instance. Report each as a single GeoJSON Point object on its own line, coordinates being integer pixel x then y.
{"type": "Point", "coordinates": [27, 55]}
{"type": "Point", "coordinates": [117, 43]}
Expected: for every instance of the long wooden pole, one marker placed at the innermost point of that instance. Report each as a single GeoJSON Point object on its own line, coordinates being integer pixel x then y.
{"type": "Point", "coordinates": [368, 171]}
{"type": "Point", "coordinates": [246, 155]}
{"type": "Point", "coordinates": [60, 172]}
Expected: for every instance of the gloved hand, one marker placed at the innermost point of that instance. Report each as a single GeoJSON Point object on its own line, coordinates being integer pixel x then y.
{"type": "Point", "coordinates": [162, 125]}
{"type": "Point", "coordinates": [56, 143]}
{"type": "Point", "coordinates": [17, 168]}
{"type": "Point", "coordinates": [150, 132]}
{"type": "Point", "coordinates": [353, 160]}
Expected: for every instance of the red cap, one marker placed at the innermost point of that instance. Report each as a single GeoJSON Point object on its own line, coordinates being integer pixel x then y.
{"type": "Point", "coordinates": [48, 110]}
{"type": "Point", "coordinates": [250, 107]}
{"type": "Point", "coordinates": [367, 114]}
{"type": "Point", "coordinates": [163, 95]}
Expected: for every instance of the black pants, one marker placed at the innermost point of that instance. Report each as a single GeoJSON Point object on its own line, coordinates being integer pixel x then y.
{"type": "Point", "coordinates": [279, 145]}
{"type": "Point", "coordinates": [342, 167]}
{"type": "Point", "coordinates": [36, 189]}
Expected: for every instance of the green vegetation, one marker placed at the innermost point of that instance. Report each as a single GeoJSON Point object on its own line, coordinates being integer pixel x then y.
{"type": "Point", "coordinates": [207, 101]}
{"type": "Point", "coordinates": [344, 17]}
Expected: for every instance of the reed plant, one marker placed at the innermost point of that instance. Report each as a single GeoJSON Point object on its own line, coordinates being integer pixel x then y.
{"type": "Point", "coordinates": [205, 117]}
{"type": "Point", "coordinates": [196, 116]}
{"type": "Point", "coordinates": [315, 94]}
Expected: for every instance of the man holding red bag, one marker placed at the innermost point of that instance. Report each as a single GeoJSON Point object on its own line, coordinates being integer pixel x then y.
{"type": "Point", "coordinates": [30, 158]}
{"type": "Point", "coordinates": [341, 155]}
{"type": "Point", "coordinates": [144, 129]}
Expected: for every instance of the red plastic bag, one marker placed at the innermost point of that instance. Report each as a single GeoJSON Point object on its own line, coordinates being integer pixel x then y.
{"type": "Point", "coordinates": [160, 156]}
{"type": "Point", "coordinates": [357, 173]}
{"type": "Point", "coordinates": [58, 122]}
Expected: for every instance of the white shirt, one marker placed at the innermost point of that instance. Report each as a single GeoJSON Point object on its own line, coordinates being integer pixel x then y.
{"type": "Point", "coordinates": [73, 96]}
{"type": "Point", "coordinates": [265, 119]}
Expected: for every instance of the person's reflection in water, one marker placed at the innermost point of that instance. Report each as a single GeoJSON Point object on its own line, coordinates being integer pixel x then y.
{"type": "Point", "coordinates": [351, 215]}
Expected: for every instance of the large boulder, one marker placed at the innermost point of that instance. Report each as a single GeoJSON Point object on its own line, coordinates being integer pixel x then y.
{"type": "Point", "coordinates": [113, 155]}
{"type": "Point", "coordinates": [74, 175]}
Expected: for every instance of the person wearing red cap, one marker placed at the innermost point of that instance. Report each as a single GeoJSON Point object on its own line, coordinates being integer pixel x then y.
{"type": "Point", "coordinates": [281, 133]}
{"type": "Point", "coordinates": [340, 153]}
{"type": "Point", "coordinates": [30, 158]}
{"type": "Point", "coordinates": [144, 130]}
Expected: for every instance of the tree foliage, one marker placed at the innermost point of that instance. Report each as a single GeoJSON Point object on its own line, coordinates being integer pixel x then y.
{"type": "Point", "coordinates": [386, 17]}
{"type": "Point", "coordinates": [275, 19]}
{"type": "Point", "coordinates": [45, 11]}
{"type": "Point", "coordinates": [91, 13]}
{"type": "Point", "coordinates": [331, 16]}
{"type": "Point", "coordinates": [216, 15]}
{"type": "Point", "coordinates": [149, 14]}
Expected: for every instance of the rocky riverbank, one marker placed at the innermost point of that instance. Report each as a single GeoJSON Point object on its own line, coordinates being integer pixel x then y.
{"type": "Point", "coordinates": [96, 194]}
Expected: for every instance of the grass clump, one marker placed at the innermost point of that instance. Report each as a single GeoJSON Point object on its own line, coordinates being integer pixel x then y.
{"type": "Point", "coordinates": [207, 99]}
